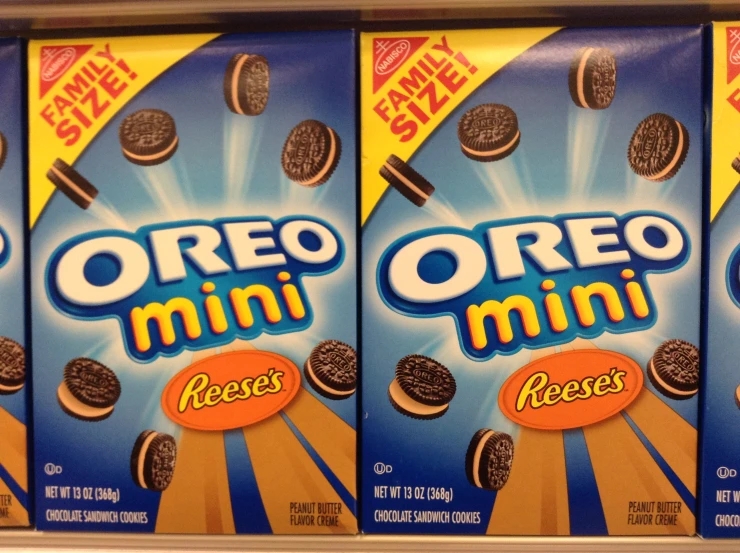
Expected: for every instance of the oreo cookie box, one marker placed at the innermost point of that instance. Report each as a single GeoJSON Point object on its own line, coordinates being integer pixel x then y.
{"type": "Point", "coordinates": [531, 247]}
{"type": "Point", "coordinates": [193, 222]}
{"type": "Point", "coordinates": [720, 483]}
{"type": "Point", "coordinates": [15, 500]}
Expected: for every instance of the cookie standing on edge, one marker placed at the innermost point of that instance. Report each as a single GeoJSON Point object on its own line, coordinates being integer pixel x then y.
{"type": "Point", "coordinates": [489, 458]}
{"type": "Point", "coordinates": [331, 369]}
{"type": "Point", "coordinates": [153, 460]}
{"type": "Point", "coordinates": [89, 390]}
{"type": "Point", "coordinates": [311, 153]}
{"type": "Point", "coordinates": [592, 79]}
{"type": "Point", "coordinates": [658, 147]}
{"type": "Point", "coordinates": [674, 369]}
{"type": "Point", "coordinates": [247, 84]}
{"type": "Point", "coordinates": [401, 176]}
{"type": "Point", "coordinates": [488, 132]}
{"type": "Point", "coordinates": [3, 149]}
{"type": "Point", "coordinates": [148, 137]}
{"type": "Point", "coordinates": [422, 389]}
{"type": "Point", "coordinates": [73, 185]}
{"type": "Point", "coordinates": [736, 164]}
{"type": "Point", "coordinates": [12, 366]}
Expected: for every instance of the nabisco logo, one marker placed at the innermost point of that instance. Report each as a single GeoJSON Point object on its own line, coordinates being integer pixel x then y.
{"type": "Point", "coordinates": [389, 55]}
{"type": "Point", "coordinates": [733, 53]}
{"type": "Point", "coordinates": [56, 63]}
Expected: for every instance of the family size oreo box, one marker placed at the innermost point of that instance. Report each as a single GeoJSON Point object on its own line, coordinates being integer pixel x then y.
{"type": "Point", "coordinates": [720, 484]}
{"type": "Point", "coordinates": [193, 237]}
{"type": "Point", "coordinates": [15, 500]}
{"type": "Point", "coordinates": [531, 247]}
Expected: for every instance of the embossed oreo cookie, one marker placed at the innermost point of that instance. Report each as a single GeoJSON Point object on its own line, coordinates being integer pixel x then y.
{"type": "Point", "coordinates": [311, 153]}
{"type": "Point", "coordinates": [489, 458]}
{"type": "Point", "coordinates": [592, 79]}
{"type": "Point", "coordinates": [331, 369]}
{"type": "Point", "coordinates": [12, 366]}
{"type": "Point", "coordinates": [401, 176]}
{"type": "Point", "coordinates": [73, 185]}
{"type": "Point", "coordinates": [148, 137]}
{"type": "Point", "coordinates": [658, 147]}
{"type": "Point", "coordinates": [3, 149]}
{"type": "Point", "coordinates": [153, 460]}
{"type": "Point", "coordinates": [488, 132]}
{"type": "Point", "coordinates": [422, 389]}
{"type": "Point", "coordinates": [247, 84]}
{"type": "Point", "coordinates": [674, 369]}
{"type": "Point", "coordinates": [89, 390]}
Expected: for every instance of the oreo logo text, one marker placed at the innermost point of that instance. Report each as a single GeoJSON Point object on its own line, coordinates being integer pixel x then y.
{"type": "Point", "coordinates": [194, 284]}
{"type": "Point", "coordinates": [534, 281]}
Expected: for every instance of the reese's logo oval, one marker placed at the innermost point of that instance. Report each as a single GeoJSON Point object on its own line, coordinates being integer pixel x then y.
{"type": "Point", "coordinates": [570, 389]}
{"type": "Point", "coordinates": [231, 390]}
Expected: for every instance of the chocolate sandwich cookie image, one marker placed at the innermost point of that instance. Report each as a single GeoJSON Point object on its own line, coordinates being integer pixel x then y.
{"type": "Point", "coordinates": [736, 164]}
{"type": "Point", "coordinates": [331, 369]}
{"type": "Point", "coordinates": [404, 178]}
{"type": "Point", "coordinates": [658, 147]}
{"type": "Point", "coordinates": [148, 137]}
{"type": "Point", "coordinates": [422, 389]}
{"type": "Point", "coordinates": [72, 184]}
{"type": "Point", "coordinates": [592, 79]}
{"type": "Point", "coordinates": [674, 369]}
{"type": "Point", "coordinates": [488, 132]}
{"type": "Point", "coordinates": [489, 458]}
{"type": "Point", "coordinates": [89, 390]}
{"type": "Point", "coordinates": [153, 460]}
{"type": "Point", "coordinates": [247, 84]}
{"type": "Point", "coordinates": [311, 153]}
{"type": "Point", "coordinates": [3, 149]}
{"type": "Point", "coordinates": [12, 366]}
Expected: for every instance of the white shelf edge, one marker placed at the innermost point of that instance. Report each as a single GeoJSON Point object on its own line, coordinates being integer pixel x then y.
{"type": "Point", "coordinates": [30, 541]}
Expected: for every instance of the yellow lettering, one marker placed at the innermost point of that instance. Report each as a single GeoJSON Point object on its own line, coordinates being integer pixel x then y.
{"type": "Point", "coordinates": [586, 388]}
{"type": "Point", "coordinates": [581, 297]}
{"type": "Point", "coordinates": [601, 386]}
{"type": "Point", "coordinates": [499, 312]}
{"type": "Point", "coordinates": [277, 383]}
{"type": "Point", "coordinates": [216, 316]}
{"type": "Point", "coordinates": [240, 303]}
{"type": "Point", "coordinates": [638, 303]}
{"type": "Point", "coordinates": [293, 301]}
{"type": "Point", "coordinates": [552, 394]}
{"type": "Point", "coordinates": [532, 386]}
{"type": "Point", "coordinates": [246, 387]}
{"type": "Point", "coordinates": [260, 385]}
{"type": "Point", "coordinates": [213, 395]}
{"type": "Point", "coordinates": [556, 312]}
{"type": "Point", "coordinates": [163, 314]}
{"type": "Point", "coordinates": [230, 391]}
{"type": "Point", "coordinates": [192, 391]}
{"type": "Point", "coordinates": [570, 391]}
{"type": "Point", "coordinates": [617, 377]}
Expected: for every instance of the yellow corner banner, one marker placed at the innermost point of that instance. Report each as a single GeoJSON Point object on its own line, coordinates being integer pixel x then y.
{"type": "Point", "coordinates": [725, 114]}
{"type": "Point", "coordinates": [76, 86]}
{"type": "Point", "coordinates": [411, 81]}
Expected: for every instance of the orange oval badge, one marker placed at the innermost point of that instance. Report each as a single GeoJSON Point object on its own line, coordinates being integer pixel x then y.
{"type": "Point", "coordinates": [570, 389]}
{"type": "Point", "coordinates": [231, 390]}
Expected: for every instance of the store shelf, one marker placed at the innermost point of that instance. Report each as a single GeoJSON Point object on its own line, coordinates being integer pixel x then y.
{"type": "Point", "coordinates": [45, 541]}
{"type": "Point", "coordinates": [46, 15]}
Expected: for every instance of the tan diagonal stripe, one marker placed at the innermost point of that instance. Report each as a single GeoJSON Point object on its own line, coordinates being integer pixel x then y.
{"type": "Point", "coordinates": [286, 474]}
{"type": "Point", "coordinates": [13, 450]}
